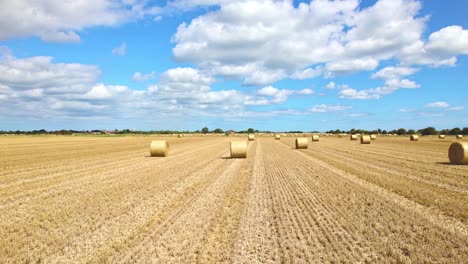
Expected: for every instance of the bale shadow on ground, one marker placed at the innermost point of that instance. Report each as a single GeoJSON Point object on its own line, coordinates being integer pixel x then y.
{"type": "Point", "coordinates": [446, 163]}
{"type": "Point", "coordinates": [229, 158]}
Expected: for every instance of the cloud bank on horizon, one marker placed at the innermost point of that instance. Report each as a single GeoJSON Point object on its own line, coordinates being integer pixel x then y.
{"type": "Point", "coordinates": [277, 65]}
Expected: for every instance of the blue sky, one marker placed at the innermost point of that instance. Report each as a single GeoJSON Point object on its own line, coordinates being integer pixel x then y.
{"type": "Point", "coordinates": [270, 65]}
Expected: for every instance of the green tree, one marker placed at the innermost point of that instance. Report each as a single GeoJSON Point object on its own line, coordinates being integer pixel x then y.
{"type": "Point", "coordinates": [444, 131]}
{"type": "Point", "coordinates": [428, 131]}
{"type": "Point", "coordinates": [401, 131]}
{"type": "Point", "coordinates": [218, 130]}
{"type": "Point", "coordinates": [411, 131]}
{"type": "Point", "coordinates": [205, 130]}
{"type": "Point", "coordinates": [455, 131]}
{"type": "Point", "coordinates": [250, 130]}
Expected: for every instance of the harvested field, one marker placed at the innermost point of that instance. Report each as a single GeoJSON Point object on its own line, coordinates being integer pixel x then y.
{"type": "Point", "coordinates": [104, 199]}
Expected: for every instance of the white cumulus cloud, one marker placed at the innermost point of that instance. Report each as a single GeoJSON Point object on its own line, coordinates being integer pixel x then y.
{"type": "Point", "coordinates": [350, 93]}
{"type": "Point", "coordinates": [323, 108]}
{"type": "Point", "coordinates": [245, 40]}
{"type": "Point", "coordinates": [142, 77]}
{"type": "Point", "coordinates": [438, 105]}
{"type": "Point", "coordinates": [120, 50]}
{"type": "Point", "coordinates": [391, 72]}
{"type": "Point", "coordinates": [306, 91]}
{"type": "Point", "coordinates": [449, 41]}
{"type": "Point", "coordinates": [331, 86]}
{"type": "Point", "coordinates": [58, 21]}
{"type": "Point", "coordinates": [308, 73]}
{"type": "Point", "coordinates": [351, 66]}
{"type": "Point", "coordinates": [456, 108]}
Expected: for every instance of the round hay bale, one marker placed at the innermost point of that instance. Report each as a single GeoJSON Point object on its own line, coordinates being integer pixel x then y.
{"type": "Point", "coordinates": [441, 136]}
{"type": "Point", "coordinates": [365, 139]}
{"type": "Point", "coordinates": [277, 137]}
{"type": "Point", "coordinates": [340, 136]}
{"type": "Point", "coordinates": [353, 137]}
{"type": "Point", "coordinates": [302, 143]}
{"type": "Point", "coordinates": [414, 137]}
{"type": "Point", "coordinates": [251, 137]}
{"type": "Point", "coordinates": [315, 138]}
{"type": "Point", "coordinates": [459, 136]}
{"type": "Point", "coordinates": [458, 153]}
{"type": "Point", "coordinates": [159, 148]}
{"type": "Point", "coordinates": [373, 137]}
{"type": "Point", "coordinates": [180, 136]}
{"type": "Point", "coordinates": [238, 149]}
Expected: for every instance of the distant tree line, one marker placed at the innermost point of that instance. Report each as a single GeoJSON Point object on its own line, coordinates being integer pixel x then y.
{"type": "Point", "coordinates": [96, 131]}
{"type": "Point", "coordinates": [401, 131]}
{"type": "Point", "coordinates": [206, 130]}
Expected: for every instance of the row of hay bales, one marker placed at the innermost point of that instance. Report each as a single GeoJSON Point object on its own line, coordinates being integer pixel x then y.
{"type": "Point", "coordinates": [416, 137]}
{"type": "Point", "coordinates": [288, 135]}
{"type": "Point", "coordinates": [303, 142]}
{"type": "Point", "coordinates": [160, 148]}
{"type": "Point", "coordinates": [457, 136]}
{"type": "Point", "coordinates": [238, 148]}
{"type": "Point", "coordinates": [365, 139]}
{"type": "Point", "coordinates": [458, 151]}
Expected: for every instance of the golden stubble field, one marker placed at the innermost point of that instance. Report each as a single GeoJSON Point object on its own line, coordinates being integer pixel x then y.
{"type": "Point", "coordinates": [97, 200]}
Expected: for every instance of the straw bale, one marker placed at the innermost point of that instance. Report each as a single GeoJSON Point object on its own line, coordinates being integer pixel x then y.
{"type": "Point", "coordinates": [302, 143]}
{"type": "Point", "coordinates": [365, 139]}
{"type": "Point", "coordinates": [159, 148]}
{"type": "Point", "coordinates": [458, 153]}
{"type": "Point", "coordinates": [238, 149]}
